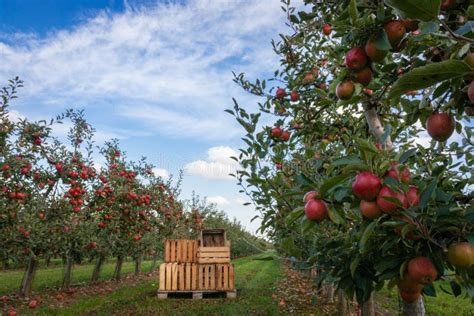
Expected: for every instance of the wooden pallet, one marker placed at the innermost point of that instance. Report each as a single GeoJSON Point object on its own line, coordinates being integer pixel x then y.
{"type": "Point", "coordinates": [196, 294]}
{"type": "Point", "coordinates": [196, 277]}
{"type": "Point", "coordinates": [181, 250]}
{"type": "Point", "coordinates": [213, 254]}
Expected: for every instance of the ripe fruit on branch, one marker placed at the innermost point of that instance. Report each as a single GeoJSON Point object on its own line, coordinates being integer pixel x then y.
{"type": "Point", "coordinates": [408, 285]}
{"type": "Point", "coordinates": [461, 255]}
{"type": "Point", "coordinates": [315, 210]}
{"type": "Point", "coordinates": [394, 173]}
{"type": "Point", "coordinates": [308, 77]}
{"type": "Point", "coordinates": [422, 270]}
{"type": "Point", "coordinates": [276, 132]}
{"type": "Point", "coordinates": [387, 206]}
{"type": "Point", "coordinates": [395, 32]}
{"type": "Point", "coordinates": [356, 59]}
{"type": "Point", "coordinates": [366, 186]}
{"type": "Point", "coordinates": [413, 196]}
{"type": "Point", "coordinates": [410, 25]}
{"type": "Point", "coordinates": [469, 59]}
{"type": "Point", "coordinates": [311, 195]}
{"type": "Point", "coordinates": [469, 110]}
{"type": "Point", "coordinates": [59, 167]}
{"type": "Point", "coordinates": [440, 126]}
{"type": "Point", "coordinates": [410, 297]}
{"type": "Point", "coordinates": [470, 92]}
{"type": "Point", "coordinates": [280, 93]}
{"type": "Point", "coordinates": [327, 29]}
{"type": "Point", "coordinates": [345, 90]}
{"type": "Point", "coordinates": [370, 209]}
{"type": "Point", "coordinates": [375, 54]}
{"type": "Point", "coordinates": [285, 135]}
{"type": "Point", "coordinates": [364, 76]}
{"type": "Point", "coordinates": [447, 4]}
{"type": "Point", "coordinates": [294, 96]}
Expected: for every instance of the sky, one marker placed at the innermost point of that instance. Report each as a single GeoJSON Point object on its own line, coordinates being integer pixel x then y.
{"type": "Point", "coordinates": [157, 75]}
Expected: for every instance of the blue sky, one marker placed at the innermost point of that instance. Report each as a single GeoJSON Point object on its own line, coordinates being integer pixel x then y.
{"type": "Point", "coordinates": [156, 75]}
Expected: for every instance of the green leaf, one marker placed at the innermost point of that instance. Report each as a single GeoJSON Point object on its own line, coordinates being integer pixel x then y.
{"type": "Point", "coordinates": [470, 11]}
{"type": "Point", "coordinates": [427, 194]}
{"type": "Point", "coordinates": [429, 290]}
{"type": "Point", "coordinates": [334, 216]}
{"type": "Point", "coordinates": [294, 215]}
{"type": "Point", "coordinates": [348, 160]}
{"type": "Point", "coordinates": [429, 27]}
{"type": "Point", "coordinates": [426, 76]}
{"type": "Point", "coordinates": [331, 183]}
{"type": "Point", "coordinates": [381, 41]}
{"type": "Point", "coordinates": [456, 288]}
{"type": "Point", "coordinates": [366, 235]}
{"type": "Point", "coordinates": [466, 28]}
{"type": "Point", "coordinates": [424, 10]}
{"type": "Point", "coordinates": [407, 154]}
{"type": "Point", "coordinates": [353, 11]}
{"type": "Point", "coordinates": [354, 265]}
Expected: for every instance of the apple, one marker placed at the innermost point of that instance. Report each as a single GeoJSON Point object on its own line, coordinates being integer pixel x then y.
{"type": "Point", "coordinates": [33, 304]}
{"type": "Point", "coordinates": [279, 166]}
{"type": "Point", "coordinates": [447, 4]}
{"type": "Point", "coordinates": [408, 285]}
{"type": "Point", "coordinates": [356, 59]}
{"type": "Point", "coordinates": [311, 195]}
{"type": "Point", "coordinates": [370, 209]}
{"type": "Point", "coordinates": [469, 59]}
{"type": "Point", "coordinates": [410, 297]}
{"type": "Point", "coordinates": [421, 270]}
{"type": "Point", "coordinates": [394, 173]}
{"type": "Point", "coordinates": [315, 210]}
{"type": "Point", "coordinates": [413, 196]}
{"type": "Point", "coordinates": [280, 93]}
{"type": "Point", "coordinates": [327, 29]}
{"type": "Point", "coordinates": [410, 25]}
{"type": "Point", "coordinates": [375, 54]}
{"type": "Point", "coordinates": [461, 255]}
{"type": "Point", "coordinates": [308, 77]}
{"type": "Point", "coordinates": [366, 186]}
{"type": "Point", "coordinates": [345, 90]}
{"type": "Point", "coordinates": [470, 92]}
{"type": "Point", "coordinates": [93, 245]}
{"type": "Point", "coordinates": [395, 32]}
{"type": "Point", "coordinates": [59, 167]}
{"type": "Point", "coordinates": [285, 136]}
{"type": "Point", "coordinates": [387, 206]}
{"type": "Point", "coordinates": [6, 167]}
{"type": "Point", "coordinates": [440, 126]}
{"type": "Point", "coordinates": [276, 132]}
{"type": "Point", "coordinates": [364, 76]}
{"type": "Point", "coordinates": [294, 96]}
{"type": "Point", "coordinates": [469, 110]}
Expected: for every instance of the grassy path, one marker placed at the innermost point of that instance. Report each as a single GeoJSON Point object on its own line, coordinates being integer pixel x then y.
{"type": "Point", "coordinates": [254, 278]}
{"type": "Point", "coordinates": [52, 277]}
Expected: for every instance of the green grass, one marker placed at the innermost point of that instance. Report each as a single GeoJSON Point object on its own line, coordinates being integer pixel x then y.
{"type": "Point", "coordinates": [442, 304]}
{"type": "Point", "coordinates": [254, 278]}
{"type": "Point", "coordinates": [52, 277]}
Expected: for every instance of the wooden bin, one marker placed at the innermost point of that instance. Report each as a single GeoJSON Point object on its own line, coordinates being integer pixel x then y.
{"type": "Point", "coordinates": [181, 250]}
{"type": "Point", "coordinates": [187, 277]}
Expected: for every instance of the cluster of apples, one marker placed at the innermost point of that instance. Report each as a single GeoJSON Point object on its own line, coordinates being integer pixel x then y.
{"type": "Point", "coordinates": [368, 187]}
{"type": "Point", "coordinates": [279, 134]}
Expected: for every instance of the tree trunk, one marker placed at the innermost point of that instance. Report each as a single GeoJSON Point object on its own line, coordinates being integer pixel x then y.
{"type": "Point", "coordinates": [138, 265]}
{"type": "Point", "coordinates": [341, 304]}
{"type": "Point", "coordinates": [48, 261]}
{"type": "Point", "coordinates": [375, 126]}
{"type": "Point", "coordinates": [67, 272]}
{"type": "Point", "coordinates": [28, 277]}
{"type": "Point", "coordinates": [118, 268]}
{"type": "Point", "coordinates": [97, 269]}
{"type": "Point", "coordinates": [414, 309]}
{"type": "Point", "coordinates": [154, 263]}
{"type": "Point", "coordinates": [368, 309]}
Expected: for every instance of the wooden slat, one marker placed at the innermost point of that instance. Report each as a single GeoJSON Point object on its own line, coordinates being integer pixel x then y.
{"type": "Point", "coordinates": [172, 251]}
{"type": "Point", "coordinates": [174, 277]}
{"type": "Point", "coordinates": [188, 277]}
{"type": "Point", "coordinates": [231, 277]}
{"type": "Point", "coordinates": [213, 260]}
{"type": "Point", "coordinates": [226, 277]}
{"type": "Point", "coordinates": [213, 249]}
{"type": "Point", "coordinates": [194, 276]}
{"type": "Point", "coordinates": [181, 276]}
{"type": "Point", "coordinates": [162, 277]}
{"type": "Point", "coordinates": [212, 275]}
{"type": "Point", "coordinates": [167, 250]}
{"type": "Point", "coordinates": [214, 254]}
{"type": "Point", "coordinates": [220, 275]}
{"type": "Point", "coordinates": [200, 277]}
{"type": "Point", "coordinates": [206, 276]}
{"type": "Point", "coordinates": [168, 276]}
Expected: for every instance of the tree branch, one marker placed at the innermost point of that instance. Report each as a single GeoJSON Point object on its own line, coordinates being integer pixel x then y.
{"type": "Point", "coordinates": [375, 125]}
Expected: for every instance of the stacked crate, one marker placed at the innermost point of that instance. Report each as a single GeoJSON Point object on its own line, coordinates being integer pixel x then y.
{"type": "Point", "coordinates": [197, 266]}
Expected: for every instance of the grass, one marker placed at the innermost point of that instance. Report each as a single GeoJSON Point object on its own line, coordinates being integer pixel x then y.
{"type": "Point", "coordinates": [52, 277]}
{"type": "Point", "coordinates": [255, 280]}
{"type": "Point", "coordinates": [442, 304]}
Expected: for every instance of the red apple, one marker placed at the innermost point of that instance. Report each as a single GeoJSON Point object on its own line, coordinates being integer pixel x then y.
{"type": "Point", "coordinates": [327, 29]}
{"type": "Point", "coordinates": [364, 76]}
{"type": "Point", "coordinates": [285, 135]}
{"type": "Point", "coordinates": [315, 210]}
{"type": "Point", "coordinates": [276, 132]}
{"type": "Point", "coordinates": [311, 195]}
{"type": "Point", "coordinates": [395, 32]}
{"type": "Point", "coordinates": [345, 90]}
{"type": "Point", "coordinates": [356, 59]}
{"type": "Point", "coordinates": [375, 54]}
{"type": "Point", "coordinates": [387, 206]}
{"type": "Point", "coordinates": [413, 196]}
{"type": "Point", "coordinates": [394, 173]}
{"type": "Point", "coordinates": [461, 255]}
{"type": "Point", "coordinates": [421, 270]}
{"type": "Point", "coordinates": [294, 96]}
{"type": "Point", "coordinates": [280, 93]}
{"type": "Point", "coordinates": [370, 209]}
{"type": "Point", "coordinates": [440, 126]}
{"type": "Point", "coordinates": [366, 186]}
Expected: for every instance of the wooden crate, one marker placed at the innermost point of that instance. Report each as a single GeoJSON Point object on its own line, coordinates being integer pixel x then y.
{"type": "Point", "coordinates": [212, 238]}
{"type": "Point", "coordinates": [188, 277]}
{"type": "Point", "coordinates": [181, 250]}
{"type": "Point", "coordinates": [213, 254]}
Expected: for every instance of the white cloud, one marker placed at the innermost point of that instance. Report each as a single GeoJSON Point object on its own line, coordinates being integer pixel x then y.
{"type": "Point", "coordinates": [159, 172]}
{"type": "Point", "coordinates": [218, 164]}
{"type": "Point", "coordinates": [219, 200]}
{"type": "Point", "coordinates": [15, 116]}
{"type": "Point", "coordinates": [167, 65]}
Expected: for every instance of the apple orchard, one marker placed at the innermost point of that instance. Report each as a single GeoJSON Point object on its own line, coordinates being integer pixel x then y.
{"type": "Point", "coordinates": [366, 170]}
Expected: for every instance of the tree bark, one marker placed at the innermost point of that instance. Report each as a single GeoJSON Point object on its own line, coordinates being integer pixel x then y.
{"type": "Point", "coordinates": [368, 309]}
{"type": "Point", "coordinates": [414, 309]}
{"type": "Point", "coordinates": [375, 126]}
{"type": "Point", "coordinates": [28, 277]}
{"type": "Point", "coordinates": [138, 265]}
{"type": "Point", "coordinates": [118, 268]}
{"type": "Point", "coordinates": [154, 263]}
{"type": "Point", "coordinates": [67, 272]}
{"type": "Point", "coordinates": [341, 303]}
{"type": "Point", "coordinates": [97, 269]}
